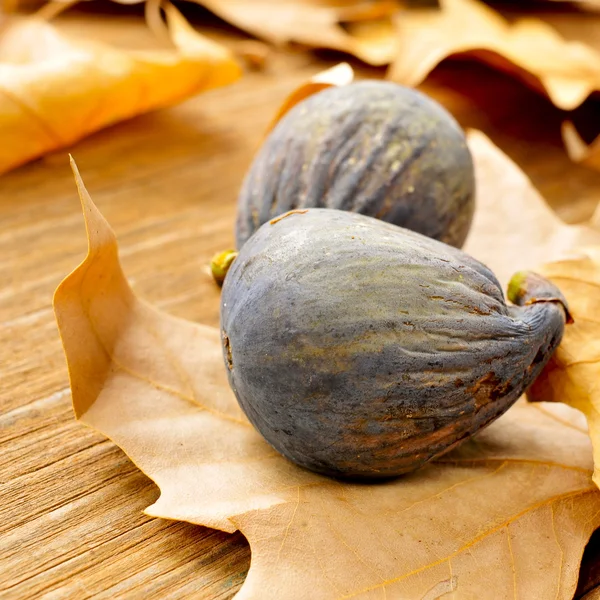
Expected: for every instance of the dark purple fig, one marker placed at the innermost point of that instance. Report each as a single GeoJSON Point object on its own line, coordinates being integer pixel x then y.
{"type": "Point", "coordinates": [361, 349]}
{"type": "Point", "coordinates": [371, 147]}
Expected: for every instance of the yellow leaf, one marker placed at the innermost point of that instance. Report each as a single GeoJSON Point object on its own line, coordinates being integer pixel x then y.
{"type": "Point", "coordinates": [568, 72]}
{"type": "Point", "coordinates": [369, 34]}
{"type": "Point", "coordinates": [54, 91]}
{"type": "Point", "coordinates": [506, 515]}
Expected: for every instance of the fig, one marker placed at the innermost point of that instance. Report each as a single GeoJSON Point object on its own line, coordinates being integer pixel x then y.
{"type": "Point", "coordinates": [372, 147]}
{"type": "Point", "coordinates": [359, 349]}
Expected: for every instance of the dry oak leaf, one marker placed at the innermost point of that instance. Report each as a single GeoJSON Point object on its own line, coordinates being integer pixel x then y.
{"type": "Point", "coordinates": [362, 28]}
{"type": "Point", "coordinates": [367, 31]}
{"type": "Point", "coordinates": [568, 72]}
{"type": "Point", "coordinates": [573, 373]}
{"type": "Point", "coordinates": [506, 515]}
{"type": "Point", "coordinates": [514, 228]}
{"type": "Point", "coordinates": [54, 91]}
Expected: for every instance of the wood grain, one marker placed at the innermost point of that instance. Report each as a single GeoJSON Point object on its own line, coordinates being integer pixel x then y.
{"type": "Point", "coordinates": [71, 521]}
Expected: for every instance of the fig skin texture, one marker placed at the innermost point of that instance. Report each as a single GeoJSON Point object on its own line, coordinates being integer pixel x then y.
{"type": "Point", "coordinates": [359, 349]}
{"type": "Point", "coordinates": [371, 147]}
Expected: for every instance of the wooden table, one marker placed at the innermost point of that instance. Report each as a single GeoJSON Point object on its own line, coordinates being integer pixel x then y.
{"type": "Point", "coordinates": [71, 522]}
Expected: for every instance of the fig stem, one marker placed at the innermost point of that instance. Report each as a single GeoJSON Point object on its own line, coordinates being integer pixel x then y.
{"type": "Point", "coordinates": [220, 264]}
{"type": "Point", "coordinates": [527, 287]}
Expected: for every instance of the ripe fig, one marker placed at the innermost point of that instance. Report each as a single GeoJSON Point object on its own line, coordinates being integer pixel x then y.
{"type": "Point", "coordinates": [361, 349]}
{"type": "Point", "coordinates": [371, 147]}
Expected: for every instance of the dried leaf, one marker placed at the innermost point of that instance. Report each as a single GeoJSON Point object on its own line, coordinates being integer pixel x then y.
{"type": "Point", "coordinates": [368, 33]}
{"type": "Point", "coordinates": [507, 514]}
{"type": "Point", "coordinates": [359, 27]}
{"type": "Point", "coordinates": [514, 228]}
{"type": "Point", "coordinates": [54, 91]}
{"type": "Point", "coordinates": [573, 373]}
{"type": "Point", "coordinates": [568, 72]}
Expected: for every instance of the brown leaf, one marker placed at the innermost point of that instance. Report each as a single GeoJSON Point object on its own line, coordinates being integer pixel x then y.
{"type": "Point", "coordinates": [573, 373]}
{"type": "Point", "coordinates": [508, 514]}
{"type": "Point", "coordinates": [359, 27]}
{"type": "Point", "coordinates": [54, 91]}
{"type": "Point", "coordinates": [514, 228]}
{"type": "Point", "coordinates": [568, 72]}
{"type": "Point", "coordinates": [368, 33]}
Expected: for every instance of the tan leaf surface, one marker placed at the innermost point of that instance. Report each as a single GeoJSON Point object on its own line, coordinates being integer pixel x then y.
{"type": "Point", "coordinates": [507, 515]}
{"type": "Point", "coordinates": [568, 72]}
{"type": "Point", "coordinates": [369, 32]}
{"type": "Point", "coordinates": [54, 91]}
{"type": "Point", "coordinates": [573, 374]}
{"type": "Point", "coordinates": [514, 228]}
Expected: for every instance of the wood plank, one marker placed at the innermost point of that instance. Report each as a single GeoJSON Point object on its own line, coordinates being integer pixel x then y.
{"type": "Point", "coordinates": [71, 521]}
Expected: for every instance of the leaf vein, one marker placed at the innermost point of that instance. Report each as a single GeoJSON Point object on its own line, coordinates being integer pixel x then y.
{"type": "Point", "coordinates": [566, 496]}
